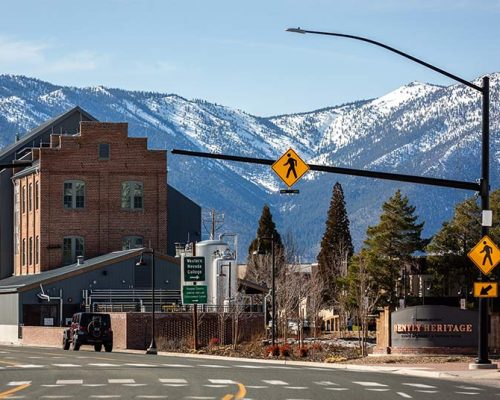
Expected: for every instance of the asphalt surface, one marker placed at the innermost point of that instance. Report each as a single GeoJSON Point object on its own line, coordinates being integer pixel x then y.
{"type": "Point", "coordinates": [48, 373]}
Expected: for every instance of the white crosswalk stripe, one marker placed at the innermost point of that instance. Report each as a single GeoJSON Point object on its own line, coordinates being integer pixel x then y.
{"type": "Point", "coordinates": [275, 382]}
{"type": "Point", "coordinates": [177, 365]}
{"type": "Point", "coordinates": [213, 366]}
{"type": "Point", "coordinates": [369, 384]}
{"type": "Point", "coordinates": [18, 383]}
{"type": "Point", "coordinates": [222, 381]}
{"type": "Point", "coordinates": [337, 389]}
{"type": "Point", "coordinates": [405, 395]}
{"type": "Point", "coordinates": [419, 385]}
{"type": "Point", "coordinates": [66, 365]}
{"type": "Point", "coordinates": [126, 380]}
{"type": "Point", "coordinates": [103, 365]}
{"type": "Point", "coordinates": [171, 380]}
{"type": "Point", "coordinates": [69, 382]}
{"type": "Point", "coordinates": [29, 366]}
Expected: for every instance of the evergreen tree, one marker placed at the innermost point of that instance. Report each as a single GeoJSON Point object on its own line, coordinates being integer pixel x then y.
{"type": "Point", "coordinates": [390, 245]}
{"type": "Point", "coordinates": [336, 245]}
{"type": "Point", "coordinates": [259, 265]}
{"type": "Point", "coordinates": [447, 251]}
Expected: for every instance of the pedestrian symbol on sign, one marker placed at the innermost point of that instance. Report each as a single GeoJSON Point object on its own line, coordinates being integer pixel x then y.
{"type": "Point", "coordinates": [291, 162]}
{"type": "Point", "coordinates": [487, 250]}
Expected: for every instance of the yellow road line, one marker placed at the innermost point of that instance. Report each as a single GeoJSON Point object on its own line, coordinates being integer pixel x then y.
{"type": "Point", "coordinates": [242, 391]}
{"type": "Point", "coordinates": [7, 393]}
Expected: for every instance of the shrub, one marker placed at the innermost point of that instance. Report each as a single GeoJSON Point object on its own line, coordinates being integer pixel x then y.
{"type": "Point", "coordinates": [284, 350]}
{"type": "Point", "coordinates": [272, 351]}
{"type": "Point", "coordinates": [303, 351]}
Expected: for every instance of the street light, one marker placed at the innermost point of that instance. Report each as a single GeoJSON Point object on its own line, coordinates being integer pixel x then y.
{"type": "Point", "coordinates": [273, 284]}
{"type": "Point", "coordinates": [152, 347]}
{"type": "Point", "coordinates": [485, 163]}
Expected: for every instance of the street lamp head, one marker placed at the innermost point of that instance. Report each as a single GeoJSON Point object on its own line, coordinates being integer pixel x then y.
{"type": "Point", "coordinates": [296, 30]}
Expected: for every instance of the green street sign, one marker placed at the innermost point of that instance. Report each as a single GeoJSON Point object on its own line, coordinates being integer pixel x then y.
{"type": "Point", "coordinates": [194, 294]}
{"type": "Point", "coordinates": [194, 269]}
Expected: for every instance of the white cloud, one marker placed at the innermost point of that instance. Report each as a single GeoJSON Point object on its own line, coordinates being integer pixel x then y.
{"type": "Point", "coordinates": [35, 57]}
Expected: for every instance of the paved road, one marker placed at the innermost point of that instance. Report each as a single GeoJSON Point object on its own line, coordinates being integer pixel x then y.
{"type": "Point", "coordinates": [43, 373]}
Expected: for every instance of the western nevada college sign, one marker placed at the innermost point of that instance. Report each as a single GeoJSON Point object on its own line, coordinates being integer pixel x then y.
{"type": "Point", "coordinates": [434, 326]}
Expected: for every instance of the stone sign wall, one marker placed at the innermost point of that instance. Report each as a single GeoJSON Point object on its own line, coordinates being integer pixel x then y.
{"type": "Point", "coordinates": [434, 326]}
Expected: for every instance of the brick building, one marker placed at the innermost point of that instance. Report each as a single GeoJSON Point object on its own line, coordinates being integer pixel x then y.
{"type": "Point", "coordinates": [88, 194]}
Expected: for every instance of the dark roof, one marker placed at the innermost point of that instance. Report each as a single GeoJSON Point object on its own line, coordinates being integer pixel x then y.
{"type": "Point", "coordinates": [250, 287]}
{"type": "Point", "coordinates": [20, 282]}
{"type": "Point", "coordinates": [33, 134]}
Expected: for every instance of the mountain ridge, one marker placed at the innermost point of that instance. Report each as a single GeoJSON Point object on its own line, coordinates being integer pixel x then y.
{"type": "Point", "coordinates": [430, 129]}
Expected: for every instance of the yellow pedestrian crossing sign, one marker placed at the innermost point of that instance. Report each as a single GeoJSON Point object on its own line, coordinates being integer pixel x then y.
{"type": "Point", "coordinates": [290, 167]}
{"type": "Point", "coordinates": [485, 254]}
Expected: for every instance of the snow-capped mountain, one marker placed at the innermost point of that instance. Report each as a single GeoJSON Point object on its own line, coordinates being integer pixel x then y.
{"type": "Point", "coordinates": [418, 129]}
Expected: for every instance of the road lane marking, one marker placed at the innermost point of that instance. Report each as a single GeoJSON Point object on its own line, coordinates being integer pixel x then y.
{"type": "Point", "coordinates": [177, 365]}
{"type": "Point", "coordinates": [223, 381]}
{"type": "Point", "coordinates": [175, 384]}
{"type": "Point", "coordinates": [213, 366]}
{"type": "Point", "coordinates": [427, 391]}
{"type": "Point", "coordinates": [468, 388]}
{"type": "Point", "coordinates": [170, 380]}
{"type": "Point", "coordinates": [419, 385]}
{"type": "Point", "coordinates": [242, 391]}
{"type": "Point", "coordinates": [28, 366]}
{"type": "Point", "coordinates": [94, 384]}
{"type": "Point", "coordinates": [216, 386]}
{"type": "Point", "coordinates": [126, 380]}
{"type": "Point", "coordinates": [66, 365]}
{"type": "Point", "coordinates": [102, 365]}
{"type": "Point", "coordinates": [69, 382]}
{"type": "Point", "coordinates": [337, 389]}
{"type": "Point", "coordinates": [296, 387]}
{"type": "Point", "coordinates": [7, 393]}
{"type": "Point", "coordinates": [369, 384]}
{"type": "Point", "coordinates": [250, 366]}
{"type": "Point", "coordinates": [326, 383]}
{"type": "Point", "coordinates": [402, 394]}
{"type": "Point", "coordinates": [141, 365]}
{"type": "Point", "coordinates": [471, 393]}
{"type": "Point", "coordinates": [18, 383]}
{"type": "Point", "coordinates": [378, 389]}
{"type": "Point", "coordinates": [105, 396]}
{"type": "Point", "coordinates": [272, 382]}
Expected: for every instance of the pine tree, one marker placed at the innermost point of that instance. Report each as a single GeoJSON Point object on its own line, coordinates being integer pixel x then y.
{"type": "Point", "coordinates": [336, 245]}
{"type": "Point", "coordinates": [447, 251]}
{"type": "Point", "coordinates": [259, 265]}
{"type": "Point", "coordinates": [390, 245]}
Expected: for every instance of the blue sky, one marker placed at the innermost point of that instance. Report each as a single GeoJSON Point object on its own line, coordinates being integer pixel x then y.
{"type": "Point", "coordinates": [237, 52]}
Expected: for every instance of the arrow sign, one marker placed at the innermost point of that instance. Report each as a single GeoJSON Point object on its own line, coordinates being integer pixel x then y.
{"type": "Point", "coordinates": [485, 289]}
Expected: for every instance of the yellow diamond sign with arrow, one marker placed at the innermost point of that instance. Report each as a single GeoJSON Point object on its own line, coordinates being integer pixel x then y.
{"type": "Point", "coordinates": [485, 255]}
{"type": "Point", "coordinates": [290, 167]}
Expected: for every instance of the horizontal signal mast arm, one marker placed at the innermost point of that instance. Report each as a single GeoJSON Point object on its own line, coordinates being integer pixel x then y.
{"type": "Point", "coordinates": [344, 171]}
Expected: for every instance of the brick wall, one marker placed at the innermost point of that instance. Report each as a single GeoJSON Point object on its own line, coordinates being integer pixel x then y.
{"type": "Point", "coordinates": [42, 336]}
{"type": "Point", "coordinates": [103, 223]}
{"type": "Point", "coordinates": [178, 327]}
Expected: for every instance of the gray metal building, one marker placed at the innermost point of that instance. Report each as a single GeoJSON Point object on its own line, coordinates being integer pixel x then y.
{"type": "Point", "coordinates": [49, 298]}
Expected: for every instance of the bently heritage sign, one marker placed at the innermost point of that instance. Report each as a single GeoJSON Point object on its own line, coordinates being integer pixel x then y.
{"type": "Point", "coordinates": [434, 326]}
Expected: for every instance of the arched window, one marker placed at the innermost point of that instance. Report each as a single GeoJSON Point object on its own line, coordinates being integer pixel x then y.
{"type": "Point", "coordinates": [132, 195]}
{"type": "Point", "coordinates": [74, 194]}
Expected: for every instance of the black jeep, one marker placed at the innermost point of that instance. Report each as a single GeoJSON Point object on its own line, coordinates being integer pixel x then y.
{"type": "Point", "coordinates": [89, 328]}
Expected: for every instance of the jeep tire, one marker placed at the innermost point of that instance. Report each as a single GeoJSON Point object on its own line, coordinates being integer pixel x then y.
{"type": "Point", "coordinates": [108, 347]}
{"type": "Point", "coordinates": [98, 347]}
{"type": "Point", "coordinates": [65, 344]}
{"type": "Point", "coordinates": [75, 345]}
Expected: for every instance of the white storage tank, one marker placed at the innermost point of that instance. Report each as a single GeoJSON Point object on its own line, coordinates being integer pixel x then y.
{"type": "Point", "coordinates": [218, 257]}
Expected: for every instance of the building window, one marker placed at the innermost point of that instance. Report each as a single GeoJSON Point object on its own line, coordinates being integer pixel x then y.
{"type": "Point", "coordinates": [37, 193]}
{"type": "Point", "coordinates": [23, 253]}
{"type": "Point", "coordinates": [103, 151]}
{"type": "Point", "coordinates": [30, 197]}
{"type": "Point", "coordinates": [132, 242]}
{"type": "Point", "coordinates": [74, 194]}
{"type": "Point", "coordinates": [132, 195]}
{"type": "Point", "coordinates": [30, 252]}
{"type": "Point", "coordinates": [16, 220]}
{"type": "Point", "coordinates": [73, 246]}
{"type": "Point", "coordinates": [24, 199]}
{"type": "Point", "coordinates": [37, 249]}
